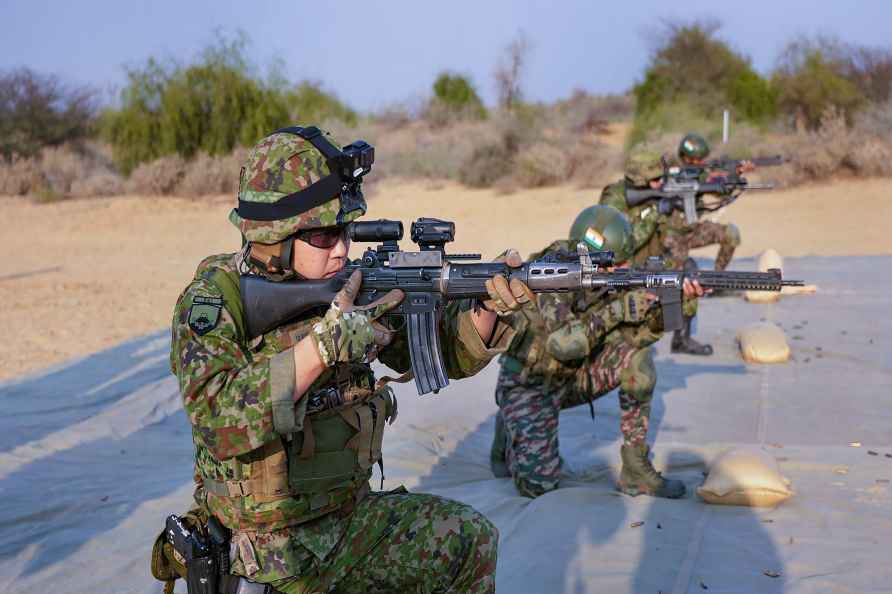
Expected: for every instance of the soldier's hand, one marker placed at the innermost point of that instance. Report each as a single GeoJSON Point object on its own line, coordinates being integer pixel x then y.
{"type": "Point", "coordinates": [692, 289]}
{"type": "Point", "coordinates": [349, 332]}
{"type": "Point", "coordinates": [507, 297]}
{"type": "Point", "coordinates": [636, 304]}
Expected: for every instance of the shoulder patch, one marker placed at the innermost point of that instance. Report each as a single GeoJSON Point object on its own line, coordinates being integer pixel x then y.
{"type": "Point", "coordinates": [204, 315]}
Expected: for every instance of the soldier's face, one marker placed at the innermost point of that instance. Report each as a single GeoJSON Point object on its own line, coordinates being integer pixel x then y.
{"type": "Point", "coordinates": [318, 263]}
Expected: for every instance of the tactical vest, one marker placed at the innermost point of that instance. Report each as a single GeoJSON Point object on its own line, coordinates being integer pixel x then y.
{"type": "Point", "coordinates": [322, 467]}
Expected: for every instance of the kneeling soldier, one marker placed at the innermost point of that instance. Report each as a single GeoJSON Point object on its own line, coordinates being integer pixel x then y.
{"type": "Point", "coordinates": [575, 348]}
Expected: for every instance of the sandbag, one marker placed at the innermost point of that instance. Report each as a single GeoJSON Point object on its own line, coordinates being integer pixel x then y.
{"type": "Point", "coordinates": [767, 260]}
{"type": "Point", "coordinates": [745, 476]}
{"type": "Point", "coordinates": [771, 259]}
{"type": "Point", "coordinates": [763, 342]}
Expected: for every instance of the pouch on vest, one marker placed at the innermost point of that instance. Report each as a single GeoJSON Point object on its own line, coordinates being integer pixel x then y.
{"type": "Point", "coordinates": [338, 447]}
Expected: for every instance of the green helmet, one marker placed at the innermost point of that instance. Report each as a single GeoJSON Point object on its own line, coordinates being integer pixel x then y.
{"type": "Point", "coordinates": [604, 228]}
{"type": "Point", "coordinates": [693, 146]}
{"type": "Point", "coordinates": [284, 165]}
{"type": "Point", "coordinates": [642, 165]}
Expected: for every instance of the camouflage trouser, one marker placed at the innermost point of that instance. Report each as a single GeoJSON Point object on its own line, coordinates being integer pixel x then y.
{"type": "Point", "coordinates": [679, 242]}
{"type": "Point", "coordinates": [402, 542]}
{"type": "Point", "coordinates": [530, 410]}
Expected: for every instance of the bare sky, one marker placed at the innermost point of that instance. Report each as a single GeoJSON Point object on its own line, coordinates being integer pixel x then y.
{"type": "Point", "coordinates": [373, 53]}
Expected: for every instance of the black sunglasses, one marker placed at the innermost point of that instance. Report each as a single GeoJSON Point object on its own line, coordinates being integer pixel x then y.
{"type": "Point", "coordinates": [324, 238]}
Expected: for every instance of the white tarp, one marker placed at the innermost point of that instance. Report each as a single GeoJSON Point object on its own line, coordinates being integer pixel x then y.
{"type": "Point", "coordinates": [94, 455]}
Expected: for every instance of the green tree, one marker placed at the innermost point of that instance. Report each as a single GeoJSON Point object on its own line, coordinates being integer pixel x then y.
{"type": "Point", "coordinates": [692, 65]}
{"type": "Point", "coordinates": [813, 76]}
{"type": "Point", "coordinates": [309, 103]}
{"type": "Point", "coordinates": [40, 110]}
{"type": "Point", "coordinates": [457, 92]}
{"type": "Point", "coordinates": [211, 106]}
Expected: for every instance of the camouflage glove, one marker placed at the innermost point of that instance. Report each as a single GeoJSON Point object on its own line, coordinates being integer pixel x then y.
{"type": "Point", "coordinates": [507, 297]}
{"type": "Point", "coordinates": [348, 332]}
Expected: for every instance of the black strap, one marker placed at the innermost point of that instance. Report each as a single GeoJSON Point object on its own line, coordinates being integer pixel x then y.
{"type": "Point", "coordinates": [314, 136]}
{"type": "Point", "coordinates": [303, 200]}
{"type": "Point", "coordinates": [294, 204]}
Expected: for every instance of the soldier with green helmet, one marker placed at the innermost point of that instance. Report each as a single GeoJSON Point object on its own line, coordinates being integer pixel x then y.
{"type": "Point", "coordinates": [288, 426]}
{"type": "Point", "coordinates": [572, 349]}
{"type": "Point", "coordinates": [694, 150]}
{"type": "Point", "coordinates": [654, 233]}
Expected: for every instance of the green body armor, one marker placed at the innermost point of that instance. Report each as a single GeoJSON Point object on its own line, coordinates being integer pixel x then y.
{"type": "Point", "coordinates": [325, 465]}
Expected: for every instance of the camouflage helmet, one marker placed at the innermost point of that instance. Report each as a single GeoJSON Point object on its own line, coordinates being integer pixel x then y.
{"type": "Point", "coordinates": [693, 146]}
{"type": "Point", "coordinates": [603, 227]}
{"type": "Point", "coordinates": [279, 166]}
{"type": "Point", "coordinates": [642, 165]}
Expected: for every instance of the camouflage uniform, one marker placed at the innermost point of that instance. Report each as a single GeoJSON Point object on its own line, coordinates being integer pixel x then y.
{"type": "Point", "coordinates": [534, 384]}
{"type": "Point", "coordinates": [647, 222]}
{"type": "Point", "coordinates": [679, 240]}
{"type": "Point", "coordinates": [665, 235]}
{"type": "Point", "coordinates": [291, 482]}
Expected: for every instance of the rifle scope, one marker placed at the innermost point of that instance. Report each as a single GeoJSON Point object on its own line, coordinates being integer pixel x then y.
{"type": "Point", "coordinates": [376, 231]}
{"type": "Point", "coordinates": [432, 232]}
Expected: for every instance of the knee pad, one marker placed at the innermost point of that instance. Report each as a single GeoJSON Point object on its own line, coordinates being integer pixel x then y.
{"type": "Point", "coordinates": [732, 235]}
{"type": "Point", "coordinates": [690, 265]}
{"type": "Point", "coordinates": [640, 378]}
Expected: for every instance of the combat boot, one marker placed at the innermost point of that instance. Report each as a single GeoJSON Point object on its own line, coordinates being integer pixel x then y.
{"type": "Point", "coordinates": [683, 343]}
{"type": "Point", "coordinates": [498, 452]}
{"type": "Point", "coordinates": [638, 476]}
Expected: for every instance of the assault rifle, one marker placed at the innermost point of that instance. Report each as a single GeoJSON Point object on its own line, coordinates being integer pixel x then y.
{"type": "Point", "coordinates": [730, 167]}
{"type": "Point", "coordinates": [685, 192]}
{"type": "Point", "coordinates": [430, 277]}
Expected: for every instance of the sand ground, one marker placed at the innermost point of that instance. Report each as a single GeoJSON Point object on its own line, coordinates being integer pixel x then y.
{"type": "Point", "coordinates": [82, 275]}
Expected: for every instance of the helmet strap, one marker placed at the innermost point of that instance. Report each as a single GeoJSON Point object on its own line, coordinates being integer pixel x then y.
{"type": "Point", "coordinates": [273, 260]}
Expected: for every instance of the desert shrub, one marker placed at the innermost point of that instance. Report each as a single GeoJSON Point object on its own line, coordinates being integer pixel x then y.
{"type": "Point", "coordinates": [832, 149]}
{"type": "Point", "coordinates": [541, 164]}
{"type": "Point", "coordinates": [157, 178]}
{"type": "Point", "coordinates": [486, 165]}
{"type": "Point", "coordinates": [57, 172]}
{"type": "Point", "coordinates": [20, 175]}
{"type": "Point", "coordinates": [674, 119]}
{"type": "Point", "coordinates": [40, 110]}
{"type": "Point", "coordinates": [810, 79]}
{"type": "Point", "coordinates": [205, 175]}
{"type": "Point", "coordinates": [585, 113]}
{"type": "Point", "coordinates": [876, 118]}
{"type": "Point", "coordinates": [98, 184]}
{"type": "Point", "coordinates": [308, 103]}
{"type": "Point", "coordinates": [691, 65]}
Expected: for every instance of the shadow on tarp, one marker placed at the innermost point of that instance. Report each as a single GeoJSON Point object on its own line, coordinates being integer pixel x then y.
{"type": "Point", "coordinates": [56, 505]}
{"type": "Point", "coordinates": [38, 405]}
{"type": "Point", "coordinates": [528, 527]}
{"type": "Point", "coordinates": [690, 546]}
{"type": "Point", "coordinates": [672, 377]}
